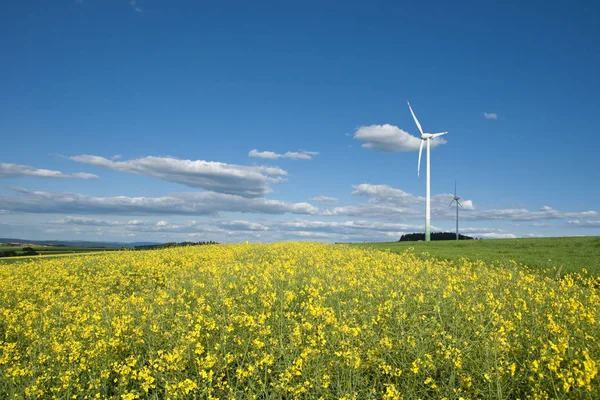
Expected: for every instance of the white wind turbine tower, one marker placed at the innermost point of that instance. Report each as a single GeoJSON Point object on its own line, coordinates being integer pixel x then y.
{"type": "Point", "coordinates": [425, 137]}
{"type": "Point", "coordinates": [456, 199]}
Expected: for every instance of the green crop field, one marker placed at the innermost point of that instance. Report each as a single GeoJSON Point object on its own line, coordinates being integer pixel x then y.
{"type": "Point", "coordinates": [46, 251]}
{"type": "Point", "coordinates": [52, 249]}
{"type": "Point", "coordinates": [569, 254]}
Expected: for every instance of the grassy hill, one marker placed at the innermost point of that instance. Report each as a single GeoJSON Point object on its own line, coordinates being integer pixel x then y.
{"type": "Point", "coordinates": [571, 254]}
{"type": "Point", "coordinates": [49, 248]}
{"type": "Point", "coordinates": [45, 251]}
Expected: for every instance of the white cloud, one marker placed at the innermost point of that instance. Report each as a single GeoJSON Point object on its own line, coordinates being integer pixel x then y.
{"type": "Point", "coordinates": [294, 155]}
{"type": "Point", "coordinates": [467, 204]}
{"type": "Point", "coordinates": [246, 181]}
{"type": "Point", "coordinates": [442, 201]}
{"type": "Point", "coordinates": [242, 226]}
{"type": "Point", "coordinates": [385, 194]}
{"type": "Point", "coordinates": [325, 200]}
{"type": "Point", "coordinates": [53, 230]}
{"type": "Point", "coordinates": [490, 115]}
{"type": "Point", "coordinates": [84, 175]}
{"type": "Point", "coordinates": [202, 203]}
{"type": "Point", "coordinates": [390, 195]}
{"type": "Point", "coordinates": [541, 225]}
{"type": "Point", "coordinates": [521, 214]}
{"type": "Point", "coordinates": [497, 235]}
{"type": "Point", "coordinates": [84, 221]}
{"type": "Point", "coordinates": [390, 138]}
{"type": "Point", "coordinates": [8, 170]}
{"type": "Point", "coordinates": [327, 230]}
{"type": "Point", "coordinates": [263, 154]}
{"type": "Point", "coordinates": [585, 224]}
{"type": "Point", "coordinates": [584, 214]}
{"type": "Point", "coordinates": [346, 227]}
{"type": "Point", "coordinates": [513, 215]}
{"type": "Point", "coordinates": [487, 233]}
{"type": "Point", "coordinates": [165, 227]}
{"type": "Point", "coordinates": [388, 202]}
{"type": "Point", "coordinates": [399, 212]}
{"type": "Point", "coordinates": [135, 6]}
{"type": "Point", "coordinates": [383, 211]}
{"type": "Point", "coordinates": [471, 231]}
{"type": "Point", "coordinates": [219, 229]}
{"type": "Point", "coordinates": [312, 235]}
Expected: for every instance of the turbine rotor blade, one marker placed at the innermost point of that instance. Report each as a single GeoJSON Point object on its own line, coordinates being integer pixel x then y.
{"type": "Point", "coordinates": [415, 118]}
{"type": "Point", "coordinates": [438, 134]}
{"type": "Point", "coordinates": [419, 164]}
{"type": "Point", "coordinates": [458, 202]}
{"type": "Point", "coordinates": [455, 189]}
{"type": "Point", "coordinates": [451, 203]}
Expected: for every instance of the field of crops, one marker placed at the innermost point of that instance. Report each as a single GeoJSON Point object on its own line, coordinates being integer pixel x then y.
{"type": "Point", "coordinates": [294, 320]}
{"type": "Point", "coordinates": [567, 254]}
{"type": "Point", "coordinates": [49, 250]}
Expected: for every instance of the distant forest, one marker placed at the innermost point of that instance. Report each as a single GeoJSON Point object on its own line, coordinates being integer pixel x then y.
{"type": "Point", "coordinates": [172, 244]}
{"type": "Point", "coordinates": [415, 237]}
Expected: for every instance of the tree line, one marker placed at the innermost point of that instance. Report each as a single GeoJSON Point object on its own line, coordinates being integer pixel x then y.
{"type": "Point", "coordinates": [415, 237]}
{"type": "Point", "coordinates": [25, 251]}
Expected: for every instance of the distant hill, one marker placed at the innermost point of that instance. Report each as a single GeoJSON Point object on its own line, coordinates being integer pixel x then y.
{"type": "Point", "coordinates": [79, 243]}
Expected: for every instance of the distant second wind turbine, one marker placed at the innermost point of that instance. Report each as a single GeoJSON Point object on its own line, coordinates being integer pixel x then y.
{"type": "Point", "coordinates": [457, 200]}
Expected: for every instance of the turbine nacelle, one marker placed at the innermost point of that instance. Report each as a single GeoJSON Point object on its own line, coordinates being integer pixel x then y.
{"type": "Point", "coordinates": [455, 199]}
{"type": "Point", "coordinates": [427, 136]}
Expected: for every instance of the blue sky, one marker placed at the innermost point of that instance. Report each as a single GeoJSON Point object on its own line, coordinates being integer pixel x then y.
{"type": "Point", "coordinates": [137, 120]}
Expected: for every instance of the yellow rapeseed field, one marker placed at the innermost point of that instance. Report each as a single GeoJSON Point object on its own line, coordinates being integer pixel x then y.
{"type": "Point", "coordinates": [293, 320]}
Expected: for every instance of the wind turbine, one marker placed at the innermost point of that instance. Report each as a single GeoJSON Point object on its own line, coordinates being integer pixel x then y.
{"type": "Point", "coordinates": [456, 199]}
{"type": "Point", "coordinates": [425, 137]}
